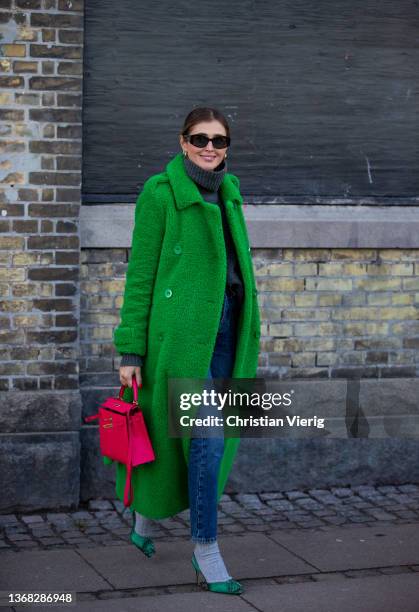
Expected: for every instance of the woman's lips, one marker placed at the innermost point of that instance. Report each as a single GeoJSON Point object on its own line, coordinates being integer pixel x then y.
{"type": "Point", "coordinates": [208, 157]}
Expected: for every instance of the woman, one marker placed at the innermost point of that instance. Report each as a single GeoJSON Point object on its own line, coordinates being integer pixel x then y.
{"type": "Point", "coordinates": [190, 310]}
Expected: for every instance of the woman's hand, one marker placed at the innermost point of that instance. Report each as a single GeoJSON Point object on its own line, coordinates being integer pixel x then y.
{"type": "Point", "coordinates": [126, 373]}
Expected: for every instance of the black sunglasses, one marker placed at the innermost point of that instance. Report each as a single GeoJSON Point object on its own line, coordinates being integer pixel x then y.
{"type": "Point", "coordinates": [201, 140]}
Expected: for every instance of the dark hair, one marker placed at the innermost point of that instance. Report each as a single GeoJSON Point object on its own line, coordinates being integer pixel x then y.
{"type": "Point", "coordinates": [203, 113]}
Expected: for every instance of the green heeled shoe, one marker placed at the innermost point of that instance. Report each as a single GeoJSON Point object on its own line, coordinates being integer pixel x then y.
{"type": "Point", "coordinates": [144, 543]}
{"type": "Point", "coordinates": [231, 586]}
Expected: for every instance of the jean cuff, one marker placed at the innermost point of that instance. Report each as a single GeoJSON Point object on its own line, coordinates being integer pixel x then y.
{"type": "Point", "coordinates": [203, 540]}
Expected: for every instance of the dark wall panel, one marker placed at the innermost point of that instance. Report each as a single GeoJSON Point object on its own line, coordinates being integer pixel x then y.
{"type": "Point", "coordinates": [322, 97]}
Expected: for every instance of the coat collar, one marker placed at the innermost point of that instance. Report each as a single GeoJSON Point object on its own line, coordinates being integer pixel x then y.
{"type": "Point", "coordinates": [186, 191]}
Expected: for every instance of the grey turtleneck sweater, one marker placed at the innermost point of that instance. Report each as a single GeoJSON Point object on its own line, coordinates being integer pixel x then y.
{"type": "Point", "coordinates": [208, 183]}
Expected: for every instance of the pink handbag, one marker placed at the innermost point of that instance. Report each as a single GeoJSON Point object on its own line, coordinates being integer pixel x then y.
{"type": "Point", "coordinates": [123, 435]}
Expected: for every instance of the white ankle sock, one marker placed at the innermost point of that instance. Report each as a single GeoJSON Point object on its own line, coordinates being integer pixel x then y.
{"type": "Point", "coordinates": [143, 525]}
{"type": "Point", "coordinates": [211, 562]}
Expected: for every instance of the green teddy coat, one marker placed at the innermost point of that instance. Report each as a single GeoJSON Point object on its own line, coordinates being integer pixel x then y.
{"type": "Point", "coordinates": [171, 310]}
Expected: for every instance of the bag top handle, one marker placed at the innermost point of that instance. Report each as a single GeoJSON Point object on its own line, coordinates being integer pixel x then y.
{"type": "Point", "coordinates": [135, 389]}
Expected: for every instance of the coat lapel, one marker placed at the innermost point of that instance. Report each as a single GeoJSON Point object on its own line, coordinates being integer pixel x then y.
{"type": "Point", "coordinates": [186, 191]}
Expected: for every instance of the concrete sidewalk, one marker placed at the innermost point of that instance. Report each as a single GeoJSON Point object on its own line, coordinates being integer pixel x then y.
{"type": "Point", "coordinates": [347, 568]}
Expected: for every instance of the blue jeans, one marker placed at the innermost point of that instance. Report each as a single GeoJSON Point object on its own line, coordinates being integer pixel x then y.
{"type": "Point", "coordinates": [206, 453]}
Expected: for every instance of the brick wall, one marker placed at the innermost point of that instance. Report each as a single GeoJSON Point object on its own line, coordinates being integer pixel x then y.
{"type": "Point", "coordinates": [325, 313]}
{"type": "Point", "coordinates": [343, 321]}
{"type": "Point", "coordinates": [40, 141]}
{"type": "Point", "coordinates": [339, 313]}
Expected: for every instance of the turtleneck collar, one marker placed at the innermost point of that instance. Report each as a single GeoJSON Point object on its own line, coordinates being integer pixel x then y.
{"type": "Point", "coordinates": [209, 179]}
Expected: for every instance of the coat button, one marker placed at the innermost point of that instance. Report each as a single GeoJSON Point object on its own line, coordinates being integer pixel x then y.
{"type": "Point", "coordinates": [168, 293]}
{"type": "Point", "coordinates": [160, 336]}
{"type": "Point", "coordinates": [255, 291]}
{"type": "Point", "coordinates": [248, 249]}
{"type": "Point", "coordinates": [177, 249]}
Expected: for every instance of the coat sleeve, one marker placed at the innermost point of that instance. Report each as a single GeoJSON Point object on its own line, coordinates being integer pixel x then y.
{"type": "Point", "coordinates": [132, 359]}
{"type": "Point", "coordinates": [130, 336]}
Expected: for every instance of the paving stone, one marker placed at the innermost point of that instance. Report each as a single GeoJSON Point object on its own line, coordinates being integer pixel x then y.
{"type": "Point", "coordinates": [296, 515]}
{"type": "Point", "coordinates": [280, 504]}
{"type": "Point", "coordinates": [380, 515]}
{"type": "Point", "coordinates": [361, 505]}
{"type": "Point", "coordinates": [364, 489]}
{"type": "Point", "coordinates": [319, 508]}
{"type": "Point", "coordinates": [319, 492]}
{"type": "Point", "coordinates": [266, 496]}
{"type": "Point", "coordinates": [310, 523]}
{"type": "Point", "coordinates": [395, 570]}
{"type": "Point", "coordinates": [334, 520]}
{"type": "Point", "coordinates": [282, 525]}
{"type": "Point", "coordinates": [327, 499]}
{"type": "Point", "coordinates": [175, 602]}
{"type": "Point", "coordinates": [252, 520]}
{"type": "Point", "coordinates": [75, 540]}
{"type": "Point", "coordinates": [16, 537]}
{"type": "Point", "coordinates": [184, 515]}
{"type": "Point", "coordinates": [371, 594]}
{"type": "Point", "coordinates": [100, 504]}
{"type": "Point", "coordinates": [342, 491]}
{"type": "Point", "coordinates": [248, 498]}
{"type": "Point", "coordinates": [400, 498]}
{"type": "Point", "coordinates": [32, 518]}
{"type": "Point", "coordinates": [407, 514]}
{"type": "Point", "coordinates": [232, 528]}
{"type": "Point", "coordinates": [226, 520]}
{"type": "Point", "coordinates": [241, 514]}
{"type": "Point", "coordinates": [362, 573]}
{"type": "Point", "coordinates": [94, 530]}
{"type": "Point", "coordinates": [63, 570]}
{"type": "Point", "coordinates": [225, 497]}
{"type": "Point", "coordinates": [264, 511]}
{"type": "Point", "coordinates": [308, 503]}
{"type": "Point", "coordinates": [357, 548]}
{"type": "Point", "coordinates": [81, 514]}
{"type": "Point", "coordinates": [328, 576]}
{"type": "Point", "coordinates": [293, 495]}
{"type": "Point", "coordinates": [125, 566]}
{"type": "Point", "coordinates": [57, 516]}
{"type": "Point", "coordinates": [229, 506]}
{"type": "Point", "coordinates": [105, 515]}
{"type": "Point", "coordinates": [180, 531]}
{"type": "Point", "coordinates": [409, 488]}
{"type": "Point", "coordinates": [25, 544]}
{"type": "Point", "coordinates": [324, 512]}
{"type": "Point", "coordinates": [8, 519]}
{"type": "Point", "coordinates": [257, 527]}
{"type": "Point", "coordinates": [360, 519]}
{"type": "Point", "coordinates": [44, 533]}
{"type": "Point", "coordinates": [119, 506]}
{"type": "Point", "coordinates": [15, 529]}
{"type": "Point", "coordinates": [51, 540]}
{"type": "Point", "coordinates": [387, 489]}
{"type": "Point", "coordinates": [121, 531]}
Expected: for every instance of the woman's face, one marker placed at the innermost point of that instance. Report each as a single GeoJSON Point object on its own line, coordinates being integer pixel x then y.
{"type": "Point", "coordinates": [208, 157]}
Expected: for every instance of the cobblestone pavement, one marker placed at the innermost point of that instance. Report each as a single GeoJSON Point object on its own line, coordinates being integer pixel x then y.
{"type": "Point", "coordinates": [108, 523]}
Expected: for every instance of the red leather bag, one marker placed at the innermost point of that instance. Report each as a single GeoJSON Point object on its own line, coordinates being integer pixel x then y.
{"type": "Point", "coordinates": [123, 435]}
